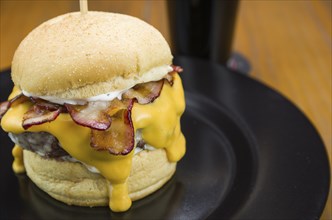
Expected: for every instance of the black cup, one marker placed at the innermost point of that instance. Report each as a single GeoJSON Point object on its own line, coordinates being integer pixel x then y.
{"type": "Point", "coordinates": [202, 28]}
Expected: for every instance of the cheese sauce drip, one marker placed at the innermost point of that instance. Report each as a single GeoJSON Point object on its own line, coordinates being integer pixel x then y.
{"type": "Point", "coordinates": [158, 122]}
{"type": "Point", "coordinates": [18, 165]}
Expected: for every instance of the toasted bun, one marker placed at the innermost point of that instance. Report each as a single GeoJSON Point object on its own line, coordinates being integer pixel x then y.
{"type": "Point", "coordinates": [73, 184]}
{"type": "Point", "coordinates": [78, 55]}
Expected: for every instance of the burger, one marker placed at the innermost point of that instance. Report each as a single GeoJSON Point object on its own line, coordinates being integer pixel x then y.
{"type": "Point", "coordinates": [95, 109]}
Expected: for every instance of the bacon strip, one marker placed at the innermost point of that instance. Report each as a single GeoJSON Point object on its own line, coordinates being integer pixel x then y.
{"type": "Point", "coordinates": [42, 111]}
{"type": "Point", "coordinates": [91, 115]}
{"type": "Point", "coordinates": [43, 104]}
{"type": "Point", "coordinates": [177, 69]}
{"type": "Point", "coordinates": [145, 92]}
{"type": "Point", "coordinates": [169, 78]}
{"type": "Point", "coordinates": [119, 138]}
{"type": "Point", "coordinates": [4, 106]}
{"type": "Point", "coordinates": [36, 116]}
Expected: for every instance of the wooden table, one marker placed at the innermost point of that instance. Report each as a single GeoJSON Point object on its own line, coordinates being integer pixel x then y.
{"type": "Point", "coordinates": [288, 44]}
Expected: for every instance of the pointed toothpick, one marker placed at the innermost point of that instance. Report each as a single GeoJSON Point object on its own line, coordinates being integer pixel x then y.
{"type": "Point", "coordinates": [84, 6]}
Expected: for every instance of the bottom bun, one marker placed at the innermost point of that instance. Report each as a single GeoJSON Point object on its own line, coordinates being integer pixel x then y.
{"type": "Point", "coordinates": [74, 184]}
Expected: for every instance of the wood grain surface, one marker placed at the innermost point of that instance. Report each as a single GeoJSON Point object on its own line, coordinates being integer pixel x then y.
{"type": "Point", "coordinates": [288, 44]}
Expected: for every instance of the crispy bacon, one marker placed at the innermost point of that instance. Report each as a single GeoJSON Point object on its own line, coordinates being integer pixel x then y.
{"type": "Point", "coordinates": [4, 106]}
{"type": "Point", "coordinates": [119, 138]}
{"type": "Point", "coordinates": [36, 116]}
{"type": "Point", "coordinates": [42, 111]}
{"type": "Point", "coordinates": [91, 115]}
{"type": "Point", "coordinates": [169, 78]}
{"type": "Point", "coordinates": [18, 99]}
{"type": "Point", "coordinates": [177, 69]}
{"type": "Point", "coordinates": [145, 92]}
{"type": "Point", "coordinates": [43, 104]}
{"type": "Point", "coordinates": [117, 105]}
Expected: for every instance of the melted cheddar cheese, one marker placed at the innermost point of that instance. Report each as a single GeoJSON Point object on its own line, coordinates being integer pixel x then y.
{"type": "Point", "coordinates": [159, 123]}
{"type": "Point", "coordinates": [18, 165]}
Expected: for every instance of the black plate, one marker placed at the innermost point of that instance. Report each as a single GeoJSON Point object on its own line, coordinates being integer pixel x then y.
{"type": "Point", "coordinates": [251, 154]}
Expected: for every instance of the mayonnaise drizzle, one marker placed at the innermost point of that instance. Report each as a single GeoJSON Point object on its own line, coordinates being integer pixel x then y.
{"type": "Point", "coordinates": [154, 74]}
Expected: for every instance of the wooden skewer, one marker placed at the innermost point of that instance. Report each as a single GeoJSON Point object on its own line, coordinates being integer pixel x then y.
{"type": "Point", "coordinates": [84, 6]}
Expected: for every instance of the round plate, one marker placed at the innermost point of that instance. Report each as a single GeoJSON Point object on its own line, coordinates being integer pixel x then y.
{"type": "Point", "coordinates": [251, 154]}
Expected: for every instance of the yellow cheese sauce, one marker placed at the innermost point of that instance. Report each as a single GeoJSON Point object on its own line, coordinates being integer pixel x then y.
{"type": "Point", "coordinates": [159, 123]}
{"type": "Point", "coordinates": [18, 165]}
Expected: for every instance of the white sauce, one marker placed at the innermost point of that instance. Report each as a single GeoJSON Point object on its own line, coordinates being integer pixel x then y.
{"type": "Point", "coordinates": [154, 74]}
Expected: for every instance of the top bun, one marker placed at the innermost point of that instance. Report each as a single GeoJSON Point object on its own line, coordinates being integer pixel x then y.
{"type": "Point", "coordinates": [75, 55]}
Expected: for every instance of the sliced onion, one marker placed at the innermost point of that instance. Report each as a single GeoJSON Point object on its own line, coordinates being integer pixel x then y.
{"type": "Point", "coordinates": [91, 115]}
{"type": "Point", "coordinates": [146, 92]}
{"type": "Point", "coordinates": [119, 138]}
{"type": "Point", "coordinates": [37, 116]}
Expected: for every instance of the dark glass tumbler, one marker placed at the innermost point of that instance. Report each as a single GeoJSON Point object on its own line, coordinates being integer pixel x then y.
{"type": "Point", "coordinates": [202, 28]}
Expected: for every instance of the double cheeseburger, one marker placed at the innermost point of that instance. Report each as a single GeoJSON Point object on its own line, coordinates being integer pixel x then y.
{"type": "Point", "coordinates": [95, 110]}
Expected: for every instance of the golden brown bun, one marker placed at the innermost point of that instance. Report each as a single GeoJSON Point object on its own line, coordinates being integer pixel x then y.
{"type": "Point", "coordinates": [73, 184]}
{"type": "Point", "coordinates": [82, 55]}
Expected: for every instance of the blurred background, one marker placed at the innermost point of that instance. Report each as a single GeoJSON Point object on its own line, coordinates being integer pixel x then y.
{"type": "Point", "coordinates": [287, 43]}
